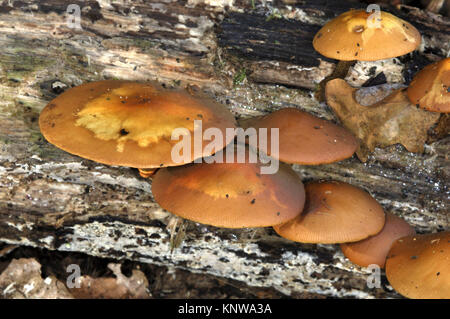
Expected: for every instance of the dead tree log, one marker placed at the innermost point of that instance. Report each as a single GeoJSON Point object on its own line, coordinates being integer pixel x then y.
{"type": "Point", "coordinates": [237, 53]}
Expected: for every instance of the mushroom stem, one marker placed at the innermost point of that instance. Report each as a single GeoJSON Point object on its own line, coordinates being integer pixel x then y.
{"type": "Point", "coordinates": [147, 172]}
{"type": "Point", "coordinates": [340, 72]}
{"type": "Point", "coordinates": [434, 5]}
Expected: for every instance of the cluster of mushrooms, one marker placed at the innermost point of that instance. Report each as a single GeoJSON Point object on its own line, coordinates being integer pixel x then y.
{"type": "Point", "coordinates": [350, 37]}
{"type": "Point", "coordinates": [130, 124]}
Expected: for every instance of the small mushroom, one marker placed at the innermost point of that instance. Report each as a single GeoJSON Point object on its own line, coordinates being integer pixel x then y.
{"type": "Point", "coordinates": [357, 35]}
{"type": "Point", "coordinates": [334, 212]}
{"type": "Point", "coordinates": [304, 138]}
{"type": "Point", "coordinates": [418, 266]}
{"type": "Point", "coordinates": [354, 35]}
{"type": "Point", "coordinates": [374, 250]}
{"type": "Point", "coordinates": [230, 195]}
{"type": "Point", "coordinates": [430, 87]}
{"type": "Point", "coordinates": [129, 124]}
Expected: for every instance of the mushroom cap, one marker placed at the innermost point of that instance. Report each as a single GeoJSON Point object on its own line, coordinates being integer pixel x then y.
{"type": "Point", "coordinates": [230, 195]}
{"type": "Point", "coordinates": [305, 139]}
{"type": "Point", "coordinates": [374, 250]}
{"type": "Point", "coordinates": [127, 123]}
{"type": "Point", "coordinates": [334, 212]}
{"type": "Point", "coordinates": [430, 87]}
{"type": "Point", "coordinates": [351, 37]}
{"type": "Point", "coordinates": [418, 266]}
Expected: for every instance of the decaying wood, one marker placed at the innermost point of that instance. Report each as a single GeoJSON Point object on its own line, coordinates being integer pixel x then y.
{"type": "Point", "coordinates": [238, 54]}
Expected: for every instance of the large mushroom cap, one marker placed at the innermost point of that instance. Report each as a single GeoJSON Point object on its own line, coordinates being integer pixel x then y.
{"type": "Point", "coordinates": [374, 250]}
{"type": "Point", "coordinates": [419, 266]}
{"type": "Point", "coordinates": [430, 88]}
{"type": "Point", "coordinates": [305, 139]}
{"type": "Point", "coordinates": [231, 195]}
{"type": "Point", "coordinates": [334, 212]}
{"type": "Point", "coordinates": [351, 36]}
{"type": "Point", "coordinates": [127, 123]}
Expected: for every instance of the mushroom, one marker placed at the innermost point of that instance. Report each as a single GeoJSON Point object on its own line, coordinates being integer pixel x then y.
{"type": "Point", "coordinates": [374, 250]}
{"type": "Point", "coordinates": [230, 195]}
{"type": "Point", "coordinates": [303, 138]}
{"type": "Point", "coordinates": [354, 36]}
{"type": "Point", "coordinates": [363, 36]}
{"type": "Point", "coordinates": [334, 212]}
{"type": "Point", "coordinates": [130, 124]}
{"type": "Point", "coordinates": [418, 266]}
{"type": "Point", "coordinates": [430, 87]}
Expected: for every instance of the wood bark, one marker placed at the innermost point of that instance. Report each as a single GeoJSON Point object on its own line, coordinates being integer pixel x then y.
{"type": "Point", "coordinates": [253, 59]}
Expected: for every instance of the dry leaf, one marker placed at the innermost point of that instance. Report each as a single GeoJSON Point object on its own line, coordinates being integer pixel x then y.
{"type": "Point", "coordinates": [121, 287]}
{"type": "Point", "coordinates": [392, 120]}
{"type": "Point", "coordinates": [22, 279]}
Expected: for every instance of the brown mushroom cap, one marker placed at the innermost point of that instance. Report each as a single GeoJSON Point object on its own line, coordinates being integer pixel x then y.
{"type": "Point", "coordinates": [127, 123]}
{"type": "Point", "coordinates": [304, 138]}
{"type": "Point", "coordinates": [231, 195]}
{"type": "Point", "coordinates": [418, 266]}
{"type": "Point", "coordinates": [350, 37]}
{"type": "Point", "coordinates": [374, 250]}
{"type": "Point", "coordinates": [430, 87]}
{"type": "Point", "coordinates": [334, 212]}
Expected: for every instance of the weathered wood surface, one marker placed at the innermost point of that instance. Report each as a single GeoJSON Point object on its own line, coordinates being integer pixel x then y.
{"type": "Point", "coordinates": [51, 199]}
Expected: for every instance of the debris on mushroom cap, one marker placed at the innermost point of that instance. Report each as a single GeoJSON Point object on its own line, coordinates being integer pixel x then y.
{"type": "Point", "coordinates": [230, 195]}
{"type": "Point", "coordinates": [430, 87]}
{"type": "Point", "coordinates": [374, 250]}
{"type": "Point", "coordinates": [304, 138]}
{"type": "Point", "coordinates": [127, 123]}
{"type": "Point", "coordinates": [334, 212]}
{"type": "Point", "coordinates": [418, 266]}
{"type": "Point", "coordinates": [390, 121]}
{"type": "Point", "coordinates": [361, 35]}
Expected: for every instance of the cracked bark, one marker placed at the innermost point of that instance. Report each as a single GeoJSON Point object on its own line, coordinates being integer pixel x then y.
{"type": "Point", "coordinates": [235, 53]}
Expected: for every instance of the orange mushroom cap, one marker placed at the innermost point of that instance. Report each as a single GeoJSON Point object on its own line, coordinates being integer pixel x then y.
{"type": "Point", "coordinates": [374, 250]}
{"type": "Point", "coordinates": [230, 195]}
{"type": "Point", "coordinates": [430, 87]}
{"type": "Point", "coordinates": [355, 35]}
{"type": "Point", "coordinates": [334, 212]}
{"type": "Point", "coordinates": [418, 266]}
{"type": "Point", "coordinates": [304, 138]}
{"type": "Point", "coordinates": [128, 123]}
